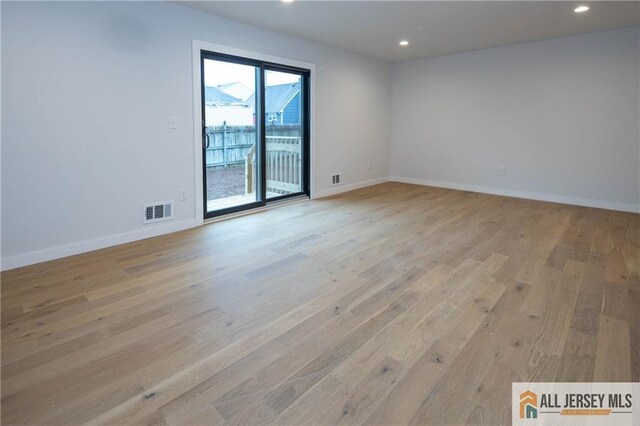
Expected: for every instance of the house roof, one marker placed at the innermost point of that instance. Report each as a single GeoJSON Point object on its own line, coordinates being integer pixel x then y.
{"type": "Point", "coordinates": [227, 85]}
{"type": "Point", "coordinates": [215, 96]}
{"type": "Point", "coordinates": [236, 89]}
{"type": "Point", "coordinates": [278, 96]}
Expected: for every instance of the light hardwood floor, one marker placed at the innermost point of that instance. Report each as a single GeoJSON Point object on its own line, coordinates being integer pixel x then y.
{"type": "Point", "coordinates": [388, 305]}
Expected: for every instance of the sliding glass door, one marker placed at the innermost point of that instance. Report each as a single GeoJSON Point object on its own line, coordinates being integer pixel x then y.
{"type": "Point", "coordinates": [255, 135]}
{"type": "Point", "coordinates": [284, 135]}
{"type": "Point", "coordinates": [230, 133]}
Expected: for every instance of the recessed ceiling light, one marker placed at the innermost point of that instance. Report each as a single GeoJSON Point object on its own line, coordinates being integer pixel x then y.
{"type": "Point", "coordinates": [404, 43]}
{"type": "Point", "coordinates": [581, 9]}
{"type": "Point", "coordinates": [287, 1]}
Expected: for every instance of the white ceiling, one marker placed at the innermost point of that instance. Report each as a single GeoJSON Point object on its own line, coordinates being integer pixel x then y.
{"type": "Point", "coordinates": [374, 28]}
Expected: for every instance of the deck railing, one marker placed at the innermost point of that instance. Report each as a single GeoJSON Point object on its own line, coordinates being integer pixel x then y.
{"type": "Point", "coordinates": [283, 166]}
{"type": "Point", "coordinates": [235, 145]}
{"type": "Point", "coordinates": [284, 161]}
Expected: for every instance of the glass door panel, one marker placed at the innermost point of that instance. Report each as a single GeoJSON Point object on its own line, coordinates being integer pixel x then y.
{"type": "Point", "coordinates": [284, 121]}
{"type": "Point", "coordinates": [255, 132]}
{"type": "Point", "coordinates": [230, 134]}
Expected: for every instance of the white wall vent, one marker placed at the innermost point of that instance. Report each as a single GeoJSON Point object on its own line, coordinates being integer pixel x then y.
{"type": "Point", "coordinates": [157, 212]}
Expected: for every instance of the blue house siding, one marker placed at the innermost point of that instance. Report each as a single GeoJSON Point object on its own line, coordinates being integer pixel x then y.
{"type": "Point", "coordinates": [291, 114]}
{"type": "Point", "coordinates": [282, 101]}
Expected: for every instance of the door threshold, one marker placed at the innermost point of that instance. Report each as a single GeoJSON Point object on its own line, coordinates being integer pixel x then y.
{"type": "Point", "coordinates": [269, 206]}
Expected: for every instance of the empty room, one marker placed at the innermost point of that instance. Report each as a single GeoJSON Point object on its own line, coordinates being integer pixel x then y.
{"type": "Point", "coordinates": [298, 212]}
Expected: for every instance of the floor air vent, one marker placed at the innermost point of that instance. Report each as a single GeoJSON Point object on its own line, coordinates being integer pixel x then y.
{"type": "Point", "coordinates": [157, 211]}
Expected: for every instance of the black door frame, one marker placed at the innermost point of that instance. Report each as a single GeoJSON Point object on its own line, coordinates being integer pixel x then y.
{"type": "Point", "coordinates": [261, 143]}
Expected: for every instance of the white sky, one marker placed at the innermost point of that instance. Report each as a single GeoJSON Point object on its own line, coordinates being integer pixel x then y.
{"type": "Point", "coordinates": [218, 72]}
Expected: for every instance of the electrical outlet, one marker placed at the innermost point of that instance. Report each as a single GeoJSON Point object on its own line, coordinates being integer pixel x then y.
{"type": "Point", "coordinates": [369, 165]}
{"type": "Point", "coordinates": [335, 179]}
{"type": "Point", "coordinates": [183, 194]}
{"type": "Point", "coordinates": [501, 171]}
{"type": "Point", "coordinates": [173, 122]}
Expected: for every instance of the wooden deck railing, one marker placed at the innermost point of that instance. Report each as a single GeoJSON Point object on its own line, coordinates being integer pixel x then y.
{"type": "Point", "coordinates": [249, 168]}
{"type": "Point", "coordinates": [284, 157]}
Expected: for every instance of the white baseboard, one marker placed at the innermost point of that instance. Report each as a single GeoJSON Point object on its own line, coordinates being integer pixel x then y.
{"type": "Point", "coordinates": [52, 253]}
{"type": "Point", "coordinates": [576, 201]}
{"type": "Point", "coordinates": [346, 188]}
{"type": "Point", "coordinates": [99, 243]}
{"type": "Point", "coordinates": [84, 246]}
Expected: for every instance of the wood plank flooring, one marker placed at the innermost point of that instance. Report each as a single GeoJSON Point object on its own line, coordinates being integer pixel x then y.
{"type": "Point", "coordinates": [393, 304]}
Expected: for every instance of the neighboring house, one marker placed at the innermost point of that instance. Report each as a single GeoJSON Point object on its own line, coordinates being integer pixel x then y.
{"type": "Point", "coordinates": [237, 90]}
{"type": "Point", "coordinates": [216, 96]}
{"type": "Point", "coordinates": [221, 107]}
{"type": "Point", "coordinates": [282, 104]}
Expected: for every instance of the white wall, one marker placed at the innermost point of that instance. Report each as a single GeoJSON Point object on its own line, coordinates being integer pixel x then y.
{"type": "Point", "coordinates": [87, 89]}
{"type": "Point", "coordinates": [562, 116]}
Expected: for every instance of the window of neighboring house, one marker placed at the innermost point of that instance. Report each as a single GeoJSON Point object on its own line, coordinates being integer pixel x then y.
{"type": "Point", "coordinates": [272, 117]}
